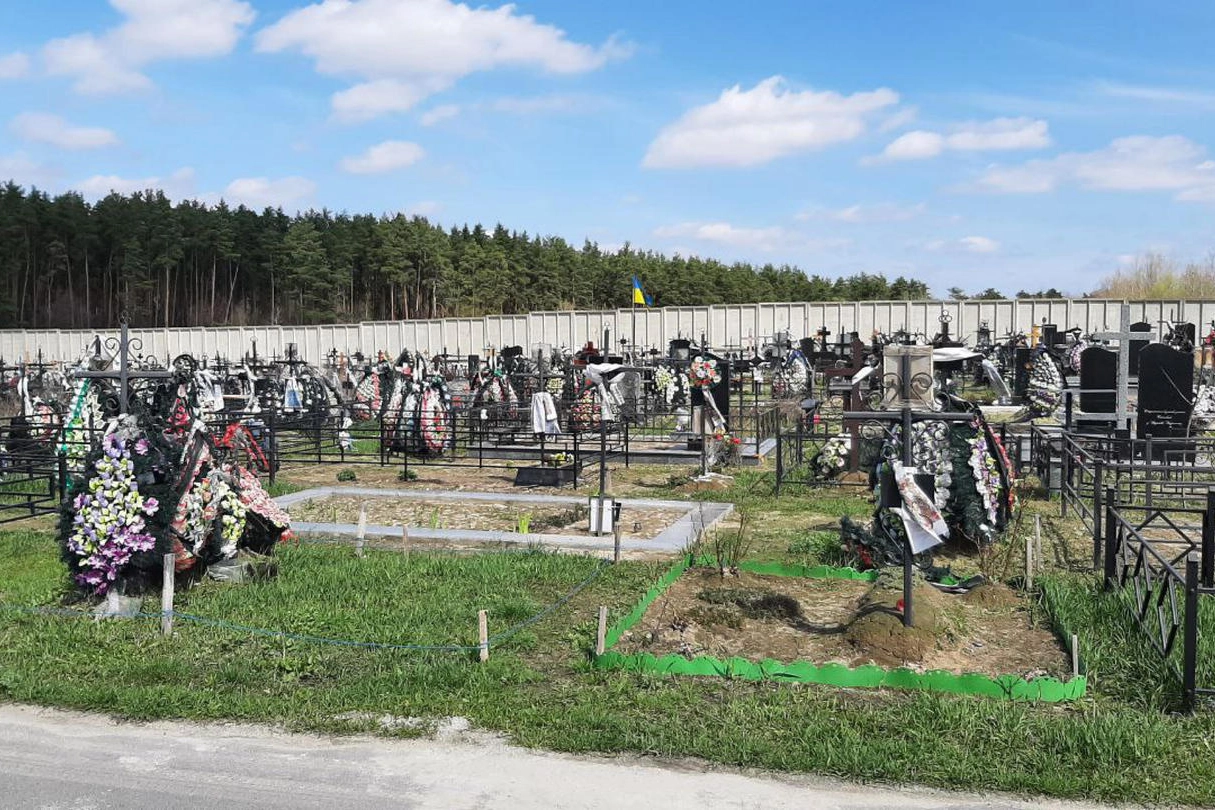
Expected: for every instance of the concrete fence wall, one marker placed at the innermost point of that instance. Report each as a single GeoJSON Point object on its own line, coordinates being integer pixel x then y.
{"type": "Point", "coordinates": [724, 326]}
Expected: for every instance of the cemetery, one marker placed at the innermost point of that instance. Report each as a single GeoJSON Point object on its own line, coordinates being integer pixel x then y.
{"type": "Point", "coordinates": [951, 534]}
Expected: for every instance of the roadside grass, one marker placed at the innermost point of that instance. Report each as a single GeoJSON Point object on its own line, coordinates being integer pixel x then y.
{"type": "Point", "coordinates": [1118, 744]}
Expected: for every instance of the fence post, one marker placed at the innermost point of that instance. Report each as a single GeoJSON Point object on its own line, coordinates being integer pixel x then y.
{"type": "Point", "coordinates": [780, 462]}
{"type": "Point", "coordinates": [1065, 462]}
{"type": "Point", "coordinates": [62, 475]}
{"type": "Point", "coordinates": [166, 593]}
{"type": "Point", "coordinates": [1189, 649]}
{"type": "Point", "coordinates": [1111, 544]}
{"type": "Point", "coordinates": [1098, 475]}
{"type": "Point", "coordinates": [273, 442]}
{"type": "Point", "coordinates": [483, 635]}
{"type": "Point", "coordinates": [1208, 541]}
{"type": "Point", "coordinates": [1148, 472]}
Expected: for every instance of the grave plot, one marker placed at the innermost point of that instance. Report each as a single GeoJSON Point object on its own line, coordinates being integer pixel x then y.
{"type": "Point", "coordinates": [471, 518]}
{"type": "Point", "coordinates": [841, 627]}
{"type": "Point", "coordinates": [490, 516]}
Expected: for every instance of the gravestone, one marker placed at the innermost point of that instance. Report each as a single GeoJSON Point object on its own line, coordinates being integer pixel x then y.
{"type": "Point", "coordinates": [1023, 363]}
{"type": "Point", "coordinates": [1137, 344]}
{"type": "Point", "coordinates": [1166, 385]}
{"type": "Point", "coordinates": [1098, 380]}
{"type": "Point", "coordinates": [1050, 334]}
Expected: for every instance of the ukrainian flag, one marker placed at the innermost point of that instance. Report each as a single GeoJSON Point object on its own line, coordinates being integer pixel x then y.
{"type": "Point", "coordinates": [639, 296]}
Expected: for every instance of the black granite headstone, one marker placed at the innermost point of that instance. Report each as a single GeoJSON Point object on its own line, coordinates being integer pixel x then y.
{"type": "Point", "coordinates": [1137, 344]}
{"type": "Point", "coordinates": [1166, 385]}
{"type": "Point", "coordinates": [1022, 363]}
{"type": "Point", "coordinates": [1098, 380]}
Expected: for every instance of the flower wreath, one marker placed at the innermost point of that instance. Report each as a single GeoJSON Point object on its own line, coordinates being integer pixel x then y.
{"type": "Point", "coordinates": [703, 373]}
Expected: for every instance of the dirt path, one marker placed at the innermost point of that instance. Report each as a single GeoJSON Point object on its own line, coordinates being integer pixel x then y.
{"type": "Point", "coordinates": [52, 759]}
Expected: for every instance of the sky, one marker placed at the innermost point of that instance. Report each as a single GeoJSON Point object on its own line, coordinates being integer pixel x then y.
{"type": "Point", "coordinates": [1011, 145]}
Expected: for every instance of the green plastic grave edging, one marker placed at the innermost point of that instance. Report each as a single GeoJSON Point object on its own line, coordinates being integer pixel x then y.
{"type": "Point", "coordinates": [1009, 687]}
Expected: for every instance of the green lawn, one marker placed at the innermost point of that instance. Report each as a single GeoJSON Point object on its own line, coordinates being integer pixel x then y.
{"type": "Point", "coordinates": [1119, 744]}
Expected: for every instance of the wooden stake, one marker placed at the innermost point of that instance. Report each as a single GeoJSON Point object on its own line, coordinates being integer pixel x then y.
{"type": "Point", "coordinates": [166, 594]}
{"type": "Point", "coordinates": [1029, 563]}
{"type": "Point", "coordinates": [1075, 655]}
{"type": "Point", "coordinates": [601, 638]}
{"type": "Point", "coordinates": [483, 634]}
{"type": "Point", "coordinates": [1038, 539]}
{"type": "Point", "coordinates": [405, 540]}
{"type": "Point", "coordinates": [361, 537]}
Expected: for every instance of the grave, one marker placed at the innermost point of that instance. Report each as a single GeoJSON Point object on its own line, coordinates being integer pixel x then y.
{"type": "Point", "coordinates": [1098, 387]}
{"type": "Point", "coordinates": [1023, 364]}
{"type": "Point", "coordinates": [673, 525]}
{"type": "Point", "coordinates": [1166, 385]}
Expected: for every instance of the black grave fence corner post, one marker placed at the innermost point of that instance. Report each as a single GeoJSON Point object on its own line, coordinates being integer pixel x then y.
{"type": "Point", "coordinates": [1189, 643]}
{"type": "Point", "coordinates": [1112, 544]}
{"type": "Point", "coordinates": [1207, 547]}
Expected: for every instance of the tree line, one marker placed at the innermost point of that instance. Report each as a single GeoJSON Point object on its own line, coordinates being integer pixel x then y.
{"type": "Point", "coordinates": [69, 263]}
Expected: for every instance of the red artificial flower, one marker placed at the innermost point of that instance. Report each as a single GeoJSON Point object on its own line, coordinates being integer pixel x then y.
{"type": "Point", "coordinates": [899, 606]}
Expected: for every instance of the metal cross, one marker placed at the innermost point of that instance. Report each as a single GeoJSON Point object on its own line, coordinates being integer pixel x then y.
{"type": "Point", "coordinates": [123, 348]}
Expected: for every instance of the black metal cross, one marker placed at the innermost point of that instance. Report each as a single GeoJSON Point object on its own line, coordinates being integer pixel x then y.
{"type": "Point", "coordinates": [123, 347]}
{"type": "Point", "coordinates": [906, 417]}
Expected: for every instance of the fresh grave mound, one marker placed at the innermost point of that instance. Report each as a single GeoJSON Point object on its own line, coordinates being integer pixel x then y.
{"type": "Point", "coordinates": [489, 516]}
{"type": "Point", "coordinates": [989, 631]}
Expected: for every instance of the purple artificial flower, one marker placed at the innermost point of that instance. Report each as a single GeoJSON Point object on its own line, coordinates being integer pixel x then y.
{"type": "Point", "coordinates": [142, 447]}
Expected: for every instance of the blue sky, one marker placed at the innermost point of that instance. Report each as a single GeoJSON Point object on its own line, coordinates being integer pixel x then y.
{"type": "Point", "coordinates": [1015, 145]}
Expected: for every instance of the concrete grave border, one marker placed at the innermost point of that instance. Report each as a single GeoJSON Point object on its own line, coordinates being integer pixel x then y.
{"type": "Point", "coordinates": [675, 538]}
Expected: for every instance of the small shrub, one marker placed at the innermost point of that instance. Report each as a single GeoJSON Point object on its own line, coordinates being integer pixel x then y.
{"type": "Point", "coordinates": [347, 475]}
{"type": "Point", "coordinates": [407, 475]}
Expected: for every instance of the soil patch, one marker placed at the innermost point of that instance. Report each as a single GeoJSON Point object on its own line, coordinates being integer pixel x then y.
{"type": "Point", "coordinates": [991, 631]}
{"type": "Point", "coordinates": [535, 518]}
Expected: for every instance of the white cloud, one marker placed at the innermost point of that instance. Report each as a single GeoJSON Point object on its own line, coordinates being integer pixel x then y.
{"type": "Point", "coordinates": [513, 105]}
{"type": "Point", "coordinates": [967, 244]}
{"type": "Point", "coordinates": [414, 48]}
{"type": "Point", "coordinates": [1157, 95]}
{"type": "Point", "coordinates": [384, 157]}
{"type": "Point", "coordinates": [441, 113]}
{"type": "Point", "coordinates": [51, 129]}
{"type": "Point", "coordinates": [178, 185]}
{"type": "Point", "coordinates": [14, 65]}
{"type": "Point", "coordinates": [1000, 134]}
{"type": "Point", "coordinates": [261, 192]}
{"type": "Point", "coordinates": [764, 239]}
{"type": "Point", "coordinates": [914, 145]}
{"type": "Point", "coordinates": [153, 30]}
{"type": "Point", "coordinates": [369, 100]}
{"type": "Point", "coordinates": [979, 244]}
{"type": "Point", "coordinates": [22, 169]}
{"type": "Point", "coordinates": [533, 105]}
{"type": "Point", "coordinates": [899, 119]}
{"type": "Point", "coordinates": [861, 214]}
{"type": "Point", "coordinates": [1134, 163]}
{"type": "Point", "coordinates": [425, 208]}
{"type": "Point", "coordinates": [769, 121]}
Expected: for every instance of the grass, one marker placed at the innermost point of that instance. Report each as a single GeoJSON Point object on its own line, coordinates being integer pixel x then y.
{"type": "Point", "coordinates": [1119, 744]}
